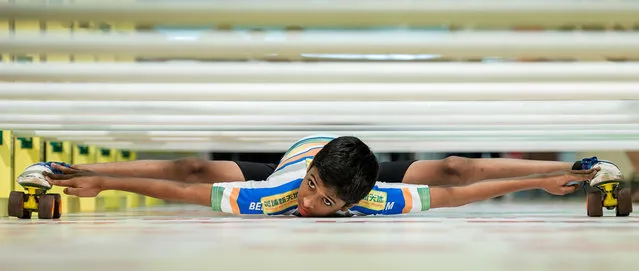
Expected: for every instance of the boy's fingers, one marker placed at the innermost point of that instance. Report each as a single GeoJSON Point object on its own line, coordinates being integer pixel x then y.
{"type": "Point", "coordinates": [60, 182]}
{"type": "Point", "coordinates": [64, 169]}
{"type": "Point", "coordinates": [80, 192]}
{"type": "Point", "coordinates": [72, 191]}
{"type": "Point", "coordinates": [58, 176]}
{"type": "Point", "coordinates": [585, 171]}
{"type": "Point", "coordinates": [584, 176]}
{"type": "Point", "coordinates": [568, 189]}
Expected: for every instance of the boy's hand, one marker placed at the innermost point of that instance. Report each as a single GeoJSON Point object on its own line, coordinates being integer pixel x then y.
{"type": "Point", "coordinates": [558, 183]}
{"type": "Point", "coordinates": [81, 183]}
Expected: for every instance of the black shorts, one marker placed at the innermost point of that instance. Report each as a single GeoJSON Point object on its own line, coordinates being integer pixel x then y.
{"type": "Point", "coordinates": [389, 172]}
{"type": "Point", "coordinates": [393, 172]}
{"type": "Point", "coordinates": [256, 171]}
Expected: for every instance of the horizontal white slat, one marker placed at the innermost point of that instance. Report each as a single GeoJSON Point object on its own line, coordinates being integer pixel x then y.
{"type": "Point", "coordinates": [315, 108]}
{"type": "Point", "coordinates": [125, 130]}
{"type": "Point", "coordinates": [397, 135]}
{"type": "Point", "coordinates": [230, 45]}
{"type": "Point", "coordinates": [192, 72]}
{"type": "Point", "coordinates": [321, 92]}
{"type": "Point", "coordinates": [381, 141]}
{"type": "Point", "coordinates": [199, 131]}
{"type": "Point", "coordinates": [425, 121]}
{"type": "Point", "coordinates": [439, 146]}
{"type": "Point", "coordinates": [335, 13]}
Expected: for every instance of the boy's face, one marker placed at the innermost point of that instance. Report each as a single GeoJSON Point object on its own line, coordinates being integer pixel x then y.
{"type": "Point", "coordinates": [315, 199]}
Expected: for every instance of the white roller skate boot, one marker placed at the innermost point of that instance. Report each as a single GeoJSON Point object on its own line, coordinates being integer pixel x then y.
{"type": "Point", "coordinates": [608, 171]}
{"type": "Point", "coordinates": [33, 175]}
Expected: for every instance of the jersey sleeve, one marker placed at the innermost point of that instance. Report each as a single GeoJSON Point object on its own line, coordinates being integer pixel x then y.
{"type": "Point", "coordinates": [255, 197]}
{"type": "Point", "coordinates": [394, 199]}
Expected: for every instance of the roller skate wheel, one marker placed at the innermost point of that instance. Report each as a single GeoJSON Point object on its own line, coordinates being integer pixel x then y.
{"type": "Point", "coordinates": [624, 202]}
{"type": "Point", "coordinates": [594, 204]}
{"type": "Point", "coordinates": [57, 211]}
{"type": "Point", "coordinates": [16, 205]}
{"type": "Point", "coordinates": [46, 206]}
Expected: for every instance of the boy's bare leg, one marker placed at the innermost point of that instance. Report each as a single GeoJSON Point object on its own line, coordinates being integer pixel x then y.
{"type": "Point", "coordinates": [634, 160]}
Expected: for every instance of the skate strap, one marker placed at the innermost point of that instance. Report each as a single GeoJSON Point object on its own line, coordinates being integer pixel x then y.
{"type": "Point", "coordinates": [48, 165]}
{"type": "Point", "coordinates": [586, 163]}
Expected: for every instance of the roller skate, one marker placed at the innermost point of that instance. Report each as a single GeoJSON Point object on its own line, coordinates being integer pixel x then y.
{"type": "Point", "coordinates": [35, 197]}
{"type": "Point", "coordinates": [606, 189]}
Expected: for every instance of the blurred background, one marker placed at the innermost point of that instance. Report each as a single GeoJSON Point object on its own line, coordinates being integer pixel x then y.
{"type": "Point", "coordinates": [102, 81]}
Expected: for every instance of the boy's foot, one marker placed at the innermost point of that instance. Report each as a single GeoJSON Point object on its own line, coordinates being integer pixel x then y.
{"type": "Point", "coordinates": [33, 175]}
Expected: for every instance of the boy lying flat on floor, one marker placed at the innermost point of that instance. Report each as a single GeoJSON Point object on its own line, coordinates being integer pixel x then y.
{"type": "Point", "coordinates": [325, 176]}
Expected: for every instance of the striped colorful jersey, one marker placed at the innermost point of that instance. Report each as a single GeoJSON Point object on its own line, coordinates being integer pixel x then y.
{"type": "Point", "coordinates": [277, 195]}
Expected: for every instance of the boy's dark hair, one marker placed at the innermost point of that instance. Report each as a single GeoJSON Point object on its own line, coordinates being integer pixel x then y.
{"type": "Point", "coordinates": [347, 165]}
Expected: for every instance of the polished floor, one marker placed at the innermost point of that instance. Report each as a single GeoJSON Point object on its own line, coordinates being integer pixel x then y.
{"type": "Point", "coordinates": [484, 236]}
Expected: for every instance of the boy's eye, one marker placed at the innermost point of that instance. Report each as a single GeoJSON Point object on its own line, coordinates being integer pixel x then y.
{"type": "Point", "coordinates": [310, 184]}
{"type": "Point", "coordinates": [327, 202]}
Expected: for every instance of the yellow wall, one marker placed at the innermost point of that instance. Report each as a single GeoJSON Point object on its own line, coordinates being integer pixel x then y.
{"type": "Point", "coordinates": [6, 170]}
{"type": "Point", "coordinates": [22, 26]}
{"type": "Point", "coordinates": [4, 30]}
{"type": "Point", "coordinates": [82, 27]}
{"type": "Point", "coordinates": [64, 27]}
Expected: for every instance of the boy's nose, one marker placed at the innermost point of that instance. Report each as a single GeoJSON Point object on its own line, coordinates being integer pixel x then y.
{"type": "Point", "coordinates": [308, 203]}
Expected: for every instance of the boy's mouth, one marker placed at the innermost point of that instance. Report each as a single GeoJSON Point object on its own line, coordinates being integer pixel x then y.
{"type": "Point", "coordinates": [302, 211]}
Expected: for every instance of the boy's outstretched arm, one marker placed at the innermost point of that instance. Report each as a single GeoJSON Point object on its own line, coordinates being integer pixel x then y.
{"type": "Point", "coordinates": [463, 171]}
{"type": "Point", "coordinates": [88, 184]}
{"type": "Point", "coordinates": [554, 183]}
